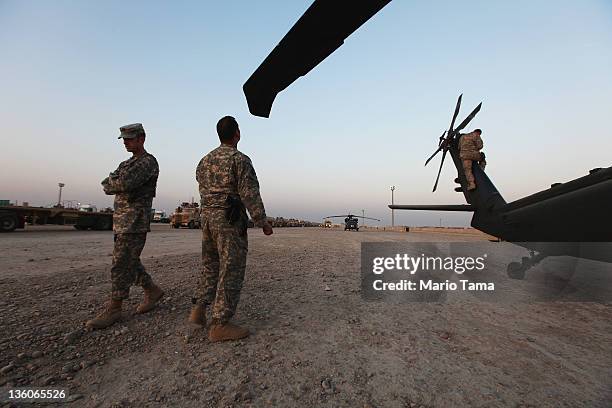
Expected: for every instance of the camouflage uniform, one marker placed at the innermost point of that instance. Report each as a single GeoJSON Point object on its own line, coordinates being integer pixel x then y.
{"type": "Point", "coordinates": [470, 145]}
{"type": "Point", "coordinates": [133, 184]}
{"type": "Point", "coordinates": [224, 172]}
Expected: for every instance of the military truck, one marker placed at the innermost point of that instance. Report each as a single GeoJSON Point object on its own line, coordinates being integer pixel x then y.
{"type": "Point", "coordinates": [186, 215]}
{"type": "Point", "coordinates": [160, 216]}
{"type": "Point", "coordinates": [16, 216]}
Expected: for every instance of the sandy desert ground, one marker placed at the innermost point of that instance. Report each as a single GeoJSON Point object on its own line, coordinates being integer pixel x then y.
{"type": "Point", "coordinates": [315, 342]}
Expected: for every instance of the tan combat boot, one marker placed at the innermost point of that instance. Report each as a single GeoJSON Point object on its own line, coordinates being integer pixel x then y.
{"type": "Point", "coordinates": [197, 317]}
{"type": "Point", "coordinates": [226, 331]}
{"type": "Point", "coordinates": [110, 315]}
{"type": "Point", "coordinates": [152, 294]}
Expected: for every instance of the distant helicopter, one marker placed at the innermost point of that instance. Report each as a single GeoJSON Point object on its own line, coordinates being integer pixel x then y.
{"type": "Point", "coordinates": [351, 221]}
{"type": "Point", "coordinates": [571, 218]}
{"type": "Point", "coordinates": [566, 219]}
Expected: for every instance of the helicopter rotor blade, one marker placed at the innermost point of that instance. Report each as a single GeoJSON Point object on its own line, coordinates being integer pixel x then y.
{"type": "Point", "coordinates": [441, 138]}
{"type": "Point", "coordinates": [440, 146]}
{"type": "Point", "coordinates": [450, 129]}
{"type": "Point", "coordinates": [433, 155]}
{"type": "Point", "coordinates": [468, 119]}
{"type": "Point", "coordinates": [439, 170]}
{"type": "Point", "coordinates": [336, 216]}
{"type": "Point", "coordinates": [366, 218]}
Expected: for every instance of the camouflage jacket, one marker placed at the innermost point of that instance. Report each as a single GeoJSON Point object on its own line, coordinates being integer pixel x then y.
{"type": "Point", "coordinates": [226, 171]}
{"type": "Point", "coordinates": [470, 145]}
{"type": "Point", "coordinates": [133, 184]}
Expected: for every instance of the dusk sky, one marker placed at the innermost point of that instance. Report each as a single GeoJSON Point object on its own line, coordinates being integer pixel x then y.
{"type": "Point", "coordinates": [366, 118]}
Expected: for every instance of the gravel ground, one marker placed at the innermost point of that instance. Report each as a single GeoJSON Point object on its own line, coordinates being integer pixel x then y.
{"type": "Point", "coordinates": [315, 342]}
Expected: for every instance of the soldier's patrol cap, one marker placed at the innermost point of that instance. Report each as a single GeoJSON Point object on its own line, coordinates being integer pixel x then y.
{"type": "Point", "coordinates": [131, 131]}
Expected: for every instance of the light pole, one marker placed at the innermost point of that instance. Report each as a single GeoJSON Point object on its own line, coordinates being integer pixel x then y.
{"type": "Point", "coordinates": [392, 210]}
{"type": "Point", "coordinates": [59, 199]}
{"type": "Point", "coordinates": [363, 216]}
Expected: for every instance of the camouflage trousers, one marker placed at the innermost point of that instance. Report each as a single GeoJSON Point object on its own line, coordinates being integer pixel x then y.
{"type": "Point", "coordinates": [127, 270]}
{"type": "Point", "coordinates": [469, 174]}
{"type": "Point", "coordinates": [224, 254]}
{"type": "Point", "coordinates": [467, 170]}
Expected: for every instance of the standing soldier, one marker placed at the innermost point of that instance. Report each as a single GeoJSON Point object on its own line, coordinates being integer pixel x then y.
{"type": "Point", "coordinates": [470, 145]}
{"type": "Point", "coordinates": [227, 183]}
{"type": "Point", "coordinates": [133, 184]}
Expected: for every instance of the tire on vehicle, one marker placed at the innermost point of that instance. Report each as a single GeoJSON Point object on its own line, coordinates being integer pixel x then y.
{"type": "Point", "coordinates": [104, 224]}
{"type": "Point", "coordinates": [8, 222]}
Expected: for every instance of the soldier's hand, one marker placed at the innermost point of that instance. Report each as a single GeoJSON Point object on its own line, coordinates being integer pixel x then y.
{"type": "Point", "coordinates": [267, 228]}
{"type": "Point", "coordinates": [105, 185]}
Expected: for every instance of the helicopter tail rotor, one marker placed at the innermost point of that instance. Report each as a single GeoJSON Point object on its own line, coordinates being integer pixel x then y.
{"type": "Point", "coordinates": [451, 133]}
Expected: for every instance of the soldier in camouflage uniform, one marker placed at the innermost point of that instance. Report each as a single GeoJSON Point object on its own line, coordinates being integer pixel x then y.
{"type": "Point", "coordinates": [227, 183]}
{"type": "Point", "coordinates": [133, 184]}
{"type": "Point", "coordinates": [470, 145]}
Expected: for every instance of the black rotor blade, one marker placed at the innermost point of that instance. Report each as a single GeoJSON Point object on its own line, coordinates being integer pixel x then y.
{"type": "Point", "coordinates": [468, 119]}
{"type": "Point", "coordinates": [440, 146]}
{"type": "Point", "coordinates": [337, 216]}
{"type": "Point", "coordinates": [322, 29]}
{"type": "Point", "coordinates": [441, 139]}
{"type": "Point", "coordinates": [439, 170]}
{"type": "Point", "coordinates": [366, 218]}
{"type": "Point", "coordinates": [450, 129]}
{"type": "Point", "coordinates": [433, 155]}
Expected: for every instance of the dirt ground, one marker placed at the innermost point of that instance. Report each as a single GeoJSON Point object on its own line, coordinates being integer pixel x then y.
{"type": "Point", "coordinates": [315, 342]}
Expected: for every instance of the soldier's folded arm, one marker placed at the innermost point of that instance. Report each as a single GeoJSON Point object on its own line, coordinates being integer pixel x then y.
{"type": "Point", "coordinates": [133, 177]}
{"type": "Point", "coordinates": [248, 189]}
{"type": "Point", "coordinates": [106, 185]}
